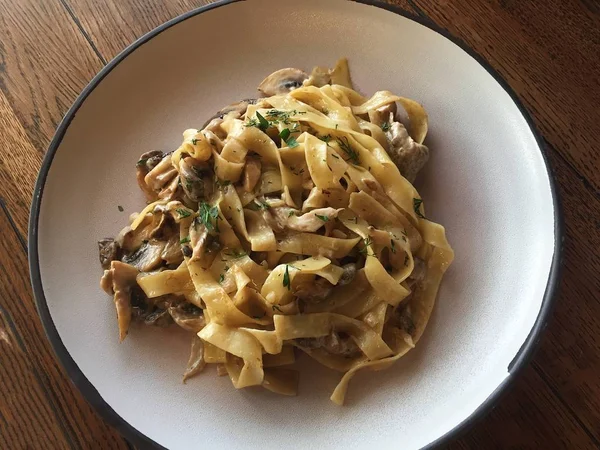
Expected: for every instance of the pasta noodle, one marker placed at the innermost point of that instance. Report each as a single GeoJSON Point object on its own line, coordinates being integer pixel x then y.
{"type": "Point", "coordinates": [287, 224]}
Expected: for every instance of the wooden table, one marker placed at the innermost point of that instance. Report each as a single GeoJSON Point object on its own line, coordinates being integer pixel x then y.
{"type": "Point", "coordinates": [547, 50]}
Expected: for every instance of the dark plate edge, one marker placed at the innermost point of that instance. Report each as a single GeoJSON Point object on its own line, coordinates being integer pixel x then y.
{"type": "Point", "coordinates": [516, 366]}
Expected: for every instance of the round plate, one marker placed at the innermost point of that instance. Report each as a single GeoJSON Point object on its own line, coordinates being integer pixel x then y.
{"type": "Point", "coordinates": [487, 181]}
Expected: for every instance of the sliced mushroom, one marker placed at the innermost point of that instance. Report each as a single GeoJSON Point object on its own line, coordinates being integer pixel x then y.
{"type": "Point", "coordinates": [348, 274]}
{"type": "Point", "coordinates": [319, 77]}
{"type": "Point", "coordinates": [235, 110]}
{"type": "Point", "coordinates": [337, 344]}
{"type": "Point", "coordinates": [195, 179]}
{"type": "Point", "coordinates": [408, 155]}
{"type": "Point", "coordinates": [199, 240]}
{"type": "Point", "coordinates": [282, 82]}
{"type": "Point", "coordinates": [313, 291]}
{"type": "Point", "coordinates": [383, 114]}
{"type": "Point", "coordinates": [171, 190]}
{"type": "Point", "coordinates": [251, 173]}
{"type": "Point", "coordinates": [147, 257]}
{"type": "Point", "coordinates": [196, 362]}
{"type": "Point", "coordinates": [161, 174]}
{"type": "Point", "coordinates": [145, 164]}
{"type": "Point", "coordinates": [109, 251]}
{"type": "Point", "coordinates": [123, 279]}
{"type": "Point", "coordinates": [188, 316]}
{"type": "Point", "coordinates": [312, 220]}
{"type": "Point", "coordinates": [172, 254]}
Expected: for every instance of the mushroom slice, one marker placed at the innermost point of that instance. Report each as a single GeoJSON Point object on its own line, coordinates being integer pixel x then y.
{"type": "Point", "coordinates": [251, 174]}
{"type": "Point", "coordinates": [405, 152]}
{"type": "Point", "coordinates": [282, 82]}
{"type": "Point", "coordinates": [312, 220]}
{"type": "Point", "coordinates": [196, 362]}
{"type": "Point", "coordinates": [172, 253]}
{"type": "Point", "coordinates": [160, 174]}
{"type": "Point", "coordinates": [194, 179]}
{"type": "Point", "coordinates": [123, 278]}
{"type": "Point", "coordinates": [108, 251]}
{"type": "Point", "coordinates": [147, 257]}
{"type": "Point", "coordinates": [145, 164]}
{"type": "Point", "coordinates": [198, 240]}
{"type": "Point", "coordinates": [188, 316]}
{"type": "Point", "coordinates": [313, 291]}
{"type": "Point", "coordinates": [235, 110]}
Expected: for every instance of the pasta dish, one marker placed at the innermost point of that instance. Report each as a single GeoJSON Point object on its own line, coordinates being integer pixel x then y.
{"type": "Point", "coordinates": [288, 224]}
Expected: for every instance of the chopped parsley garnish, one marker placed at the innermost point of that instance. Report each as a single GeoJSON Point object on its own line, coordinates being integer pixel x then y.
{"type": "Point", "coordinates": [285, 134]}
{"type": "Point", "coordinates": [385, 126]}
{"type": "Point", "coordinates": [185, 240]}
{"type": "Point", "coordinates": [393, 246]}
{"type": "Point", "coordinates": [120, 208]}
{"type": "Point", "coordinates": [194, 141]}
{"type": "Point", "coordinates": [365, 250]}
{"type": "Point", "coordinates": [291, 213]}
{"type": "Point", "coordinates": [208, 216]}
{"type": "Point", "coordinates": [325, 138]}
{"type": "Point", "coordinates": [333, 155]}
{"type": "Point", "coordinates": [262, 204]}
{"type": "Point", "coordinates": [345, 146]}
{"type": "Point", "coordinates": [286, 278]}
{"type": "Point", "coordinates": [141, 162]}
{"type": "Point", "coordinates": [406, 260]}
{"type": "Point", "coordinates": [183, 213]}
{"type": "Point", "coordinates": [417, 202]}
{"type": "Point", "coordinates": [277, 116]}
{"type": "Point", "coordinates": [323, 218]}
{"type": "Point", "coordinates": [276, 308]}
{"type": "Point", "coordinates": [263, 123]}
{"type": "Point", "coordinates": [221, 278]}
{"type": "Point", "coordinates": [291, 142]}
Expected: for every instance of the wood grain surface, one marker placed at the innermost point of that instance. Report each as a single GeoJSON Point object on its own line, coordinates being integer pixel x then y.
{"type": "Point", "coordinates": [547, 50]}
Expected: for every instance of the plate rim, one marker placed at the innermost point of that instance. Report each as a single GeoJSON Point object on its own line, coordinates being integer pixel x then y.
{"type": "Point", "coordinates": [136, 437]}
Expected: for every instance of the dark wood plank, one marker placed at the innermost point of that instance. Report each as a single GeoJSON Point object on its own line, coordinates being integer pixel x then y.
{"type": "Point", "coordinates": [548, 52]}
{"type": "Point", "coordinates": [45, 62]}
{"type": "Point", "coordinates": [18, 167]}
{"type": "Point", "coordinates": [529, 417]}
{"type": "Point", "coordinates": [569, 357]}
{"type": "Point", "coordinates": [27, 415]}
{"type": "Point", "coordinates": [71, 412]}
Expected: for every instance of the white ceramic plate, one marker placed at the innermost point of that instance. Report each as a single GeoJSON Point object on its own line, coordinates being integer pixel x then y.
{"type": "Point", "coordinates": [487, 182]}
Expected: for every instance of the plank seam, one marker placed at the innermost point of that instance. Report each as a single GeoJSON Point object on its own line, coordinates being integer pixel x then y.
{"type": "Point", "coordinates": [83, 32]}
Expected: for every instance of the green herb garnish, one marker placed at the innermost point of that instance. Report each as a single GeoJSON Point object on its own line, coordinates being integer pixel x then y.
{"type": "Point", "coordinates": [120, 208]}
{"type": "Point", "coordinates": [183, 213]}
{"type": "Point", "coordinates": [393, 246]}
{"type": "Point", "coordinates": [276, 308]}
{"type": "Point", "coordinates": [291, 213]}
{"type": "Point", "coordinates": [194, 141]}
{"type": "Point", "coordinates": [209, 216]}
{"type": "Point", "coordinates": [221, 278]}
{"type": "Point", "coordinates": [285, 134]}
{"type": "Point", "coordinates": [262, 204]}
{"type": "Point", "coordinates": [345, 146]}
{"type": "Point", "coordinates": [185, 240]}
{"type": "Point", "coordinates": [385, 126]}
{"type": "Point", "coordinates": [365, 250]}
{"type": "Point", "coordinates": [141, 162]}
{"type": "Point", "coordinates": [291, 142]}
{"type": "Point", "coordinates": [417, 202]}
{"type": "Point", "coordinates": [323, 218]}
{"type": "Point", "coordinates": [286, 278]}
{"type": "Point", "coordinates": [263, 123]}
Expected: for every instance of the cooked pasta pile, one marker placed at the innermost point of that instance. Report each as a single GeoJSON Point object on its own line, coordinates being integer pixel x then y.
{"type": "Point", "coordinates": [287, 224]}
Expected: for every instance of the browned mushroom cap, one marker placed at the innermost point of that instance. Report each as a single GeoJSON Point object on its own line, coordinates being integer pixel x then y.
{"type": "Point", "coordinates": [195, 179]}
{"type": "Point", "coordinates": [238, 109]}
{"type": "Point", "coordinates": [147, 257]}
{"type": "Point", "coordinates": [282, 82]}
{"type": "Point", "coordinates": [188, 316]}
{"type": "Point", "coordinates": [109, 251]}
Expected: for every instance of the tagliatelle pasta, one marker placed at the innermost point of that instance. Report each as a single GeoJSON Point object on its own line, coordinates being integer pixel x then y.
{"type": "Point", "coordinates": [286, 224]}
